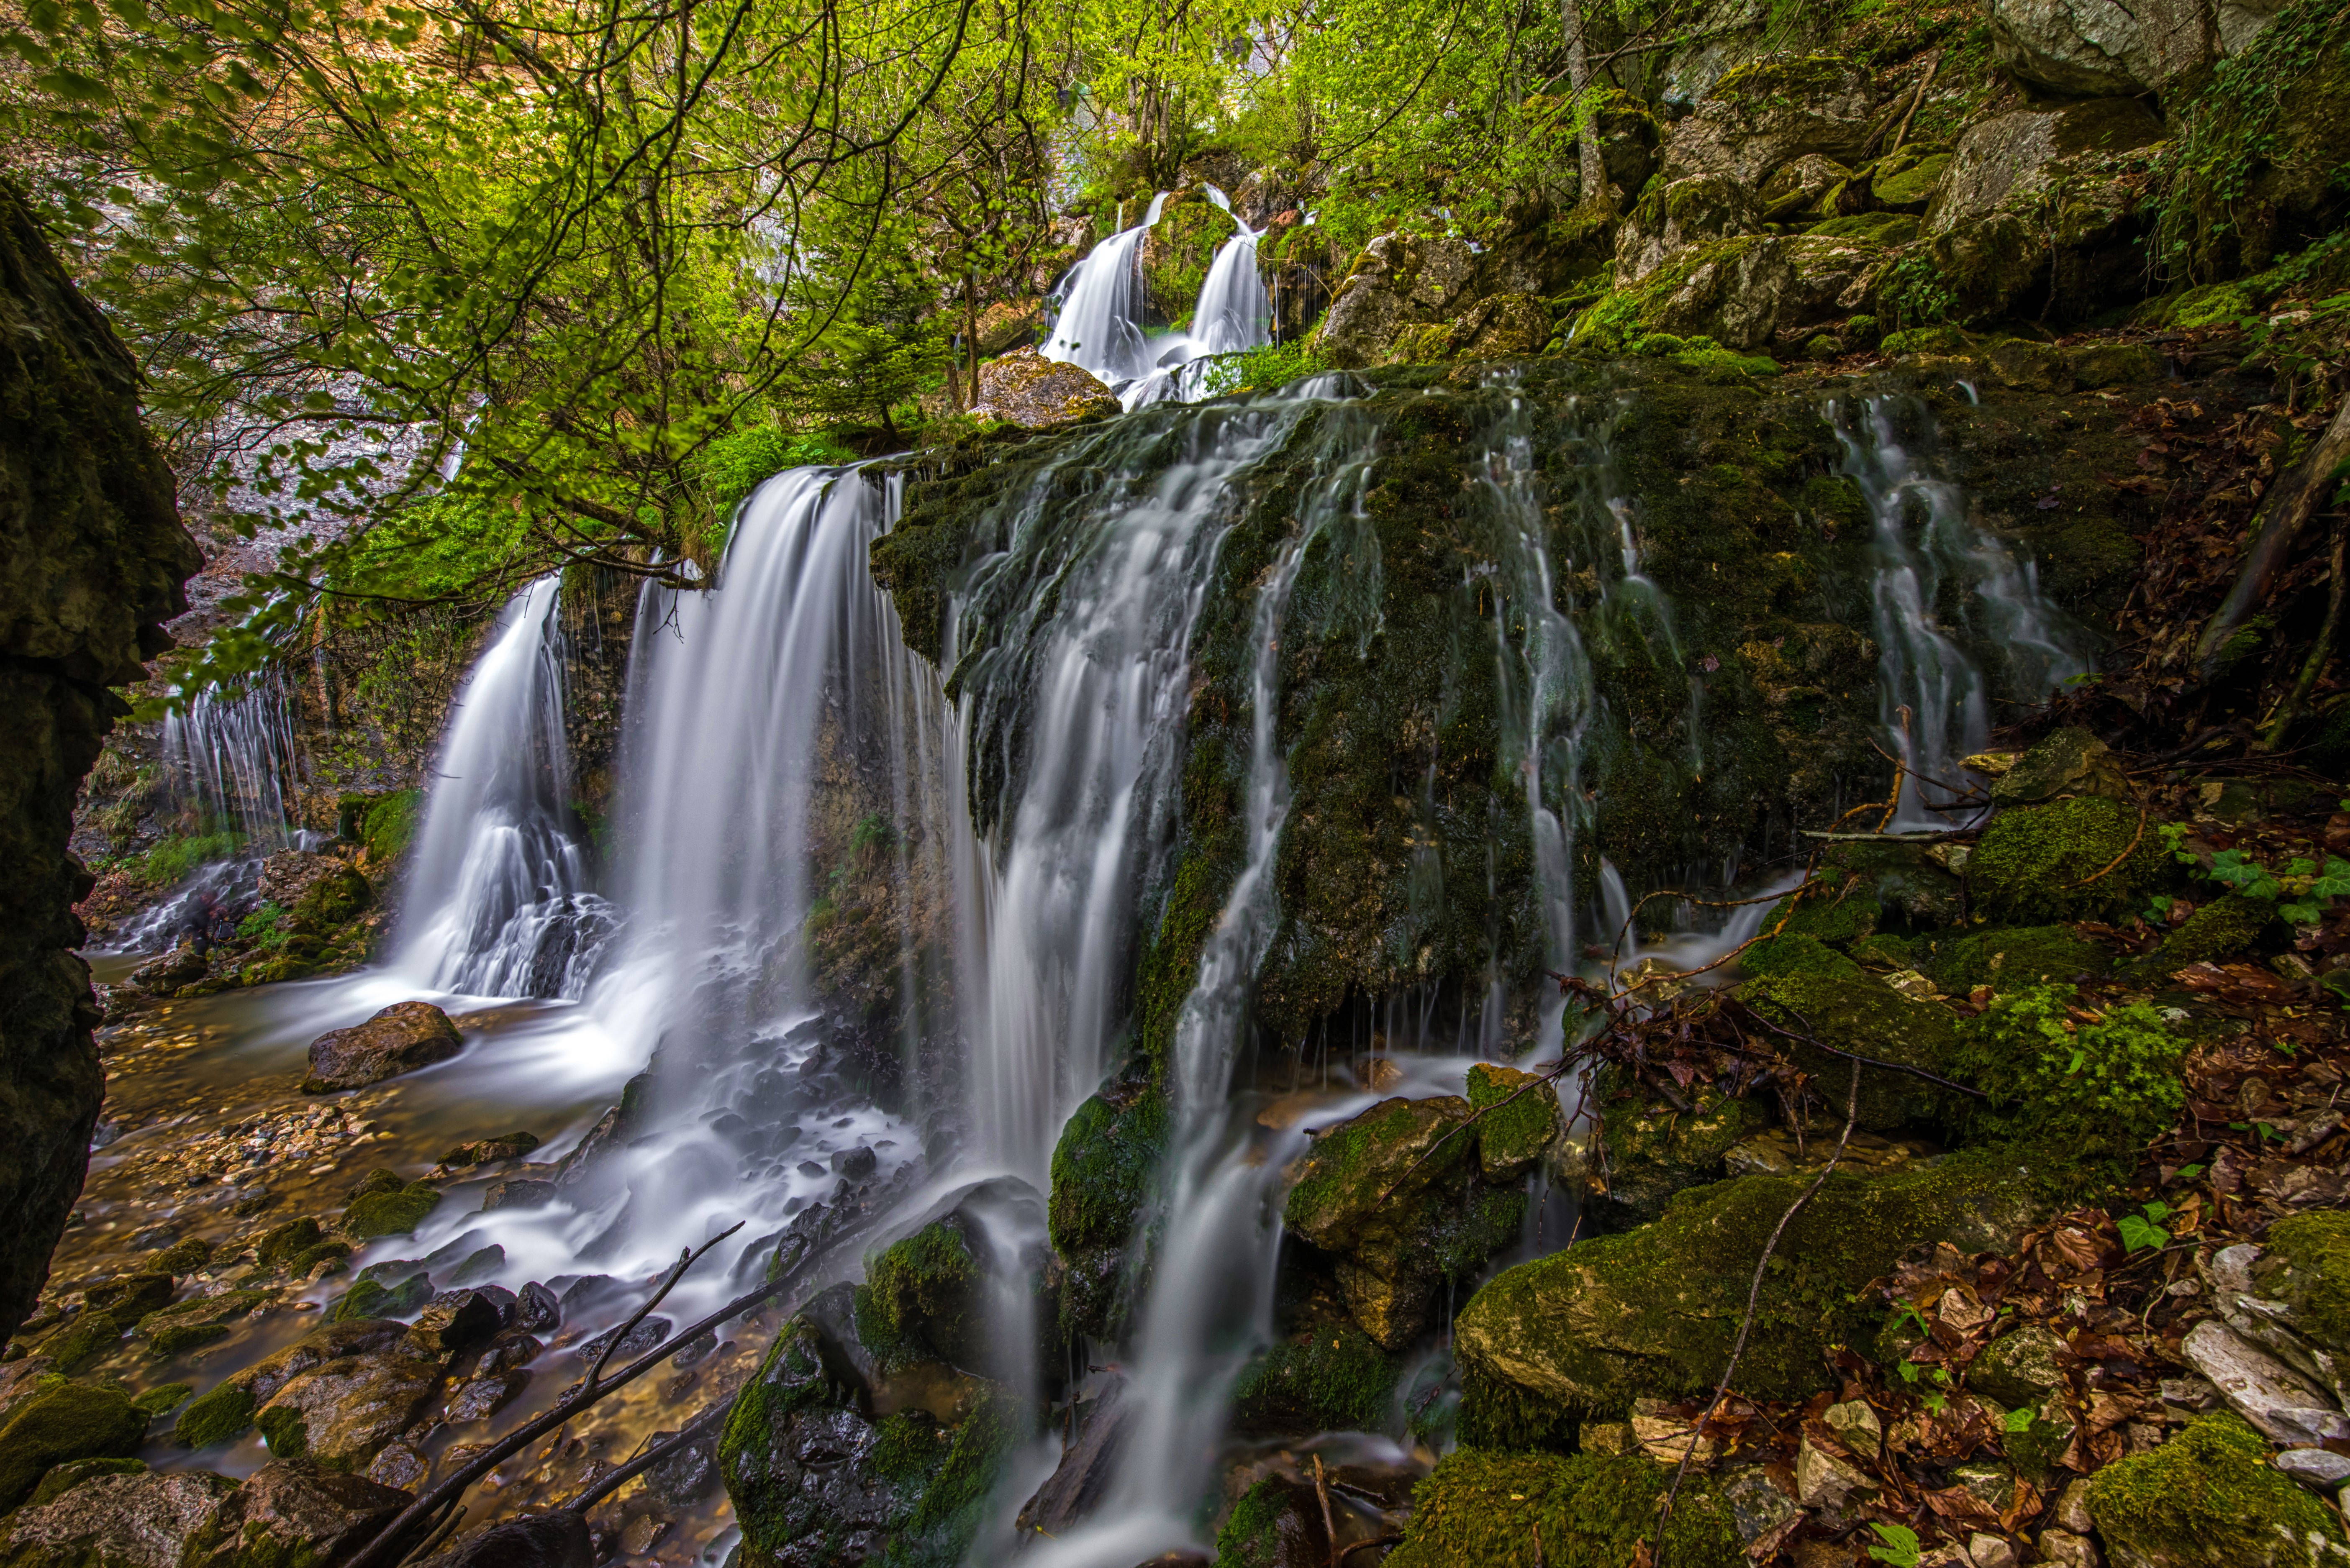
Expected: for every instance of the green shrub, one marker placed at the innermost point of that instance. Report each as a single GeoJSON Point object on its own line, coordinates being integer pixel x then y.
{"type": "Point", "coordinates": [738, 463]}
{"type": "Point", "coordinates": [391, 823]}
{"type": "Point", "coordinates": [2091, 1093]}
{"type": "Point", "coordinates": [1263, 368]}
{"type": "Point", "coordinates": [173, 859]}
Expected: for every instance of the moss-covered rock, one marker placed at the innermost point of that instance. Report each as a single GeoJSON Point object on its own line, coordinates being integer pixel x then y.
{"type": "Point", "coordinates": [88, 1336]}
{"type": "Point", "coordinates": [1328, 1379]}
{"type": "Point", "coordinates": [2306, 1265]}
{"type": "Point", "coordinates": [1393, 1194]}
{"type": "Point", "coordinates": [63, 1479]}
{"type": "Point", "coordinates": [1483, 1509]}
{"type": "Point", "coordinates": [2067, 762]}
{"type": "Point", "coordinates": [2024, 955]}
{"type": "Point", "coordinates": [2078, 859]}
{"type": "Point", "coordinates": [1103, 1166]}
{"type": "Point", "coordinates": [1862, 1014]}
{"type": "Point", "coordinates": [1796, 955]}
{"type": "Point", "coordinates": [922, 1299]}
{"type": "Point", "coordinates": [61, 1423]}
{"type": "Point", "coordinates": [1651, 1312]}
{"type": "Point", "coordinates": [222, 1415]}
{"type": "Point", "coordinates": [177, 1339]}
{"type": "Point", "coordinates": [1517, 1119]}
{"type": "Point", "coordinates": [390, 1213]}
{"type": "Point", "coordinates": [2219, 929]}
{"type": "Point", "coordinates": [2208, 1497]}
{"type": "Point", "coordinates": [280, 1243]}
{"type": "Point", "coordinates": [1654, 1150]}
{"type": "Point", "coordinates": [1275, 1525]}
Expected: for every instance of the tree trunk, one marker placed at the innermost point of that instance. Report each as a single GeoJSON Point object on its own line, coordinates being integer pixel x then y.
{"type": "Point", "coordinates": [1592, 171]}
{"type": "Point", "coordinates": [2305, 490]}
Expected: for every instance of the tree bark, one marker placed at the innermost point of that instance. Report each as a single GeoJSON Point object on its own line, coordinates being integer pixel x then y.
{"type": "Point", "coordinates": [2290, 505]}
{"type": "Point", "coordinates": [1592, 171]}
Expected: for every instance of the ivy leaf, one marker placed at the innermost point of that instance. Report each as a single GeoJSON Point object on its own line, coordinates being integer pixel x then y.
{"type": "Point", "coordinates": [1899, 1546]}
{"type": "Point", "coordinates": [2139, 1235]}
{"type": "Point", "coordinates": [2019, 1420]}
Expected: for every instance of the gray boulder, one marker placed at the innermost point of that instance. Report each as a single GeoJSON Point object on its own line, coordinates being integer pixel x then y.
{"type": "Point", "coordinates": [1025, 389]}
{"type": "Point", "coordinates": [118, 1521]}
{"type": "Point", "coordinates": [1672, 216]}
{"type": "Point", "coordinates": [1762, 116]}
{"type": "Point", "coordinates": [295, 1511]}
{"type": "Point", "coordinates": [403, 1037]}
{"type": "Point", "coordinates": [2093, 48]}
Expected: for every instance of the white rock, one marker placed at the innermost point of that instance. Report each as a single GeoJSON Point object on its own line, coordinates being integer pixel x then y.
{"type": "Point", "coordinates": [2314, 1467]}
{"type": "Point", "coordinates": [2263, 1390]}
{"type": "Point", "coordinates": [2062, 1546]}
{"type": "Point", "coordinates": [1855, 1422]}
{"type": "Point", "coordinates": [2073, 1508]}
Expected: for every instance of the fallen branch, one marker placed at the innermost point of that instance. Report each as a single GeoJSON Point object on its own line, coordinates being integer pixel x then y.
{"type": "Point", "coordinates": [386, 1548]}
{"type": "Point", "coordinates": [2128, 850]}
{"type": "Point", "coordinates": [2290, 505]}
{"type": "Point", "coordinates": [1812, 1040]}
{"type": "Point", "coordinates": [1754, 1297]}
{"type": "Point", "coordinates": [701, 1427]}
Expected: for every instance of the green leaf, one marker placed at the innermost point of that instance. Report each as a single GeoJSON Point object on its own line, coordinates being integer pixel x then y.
{"type": "Point", "coordinates": [2019, 1420]}
{"type": "Point", "coordinates": [1898, 1545]}
{"type": "Point", "coordinates": [2188, 1173]}
{"type": "Point", "coordinates": [2303, 914]}
{"type": "Point", "coordinates": [2139, 1235]}
{"type": "Point", "coordinates": [2157, 1211]}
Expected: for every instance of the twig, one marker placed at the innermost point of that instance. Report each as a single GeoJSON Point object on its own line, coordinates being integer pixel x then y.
{"type": "Point", "coordinates": [1754, 1296]}
{"type": "Point", "coordinates": [685, 1261]}
{"type": "Point", "coordinates": [1329, 1527]}
{"type": "Point", "coordinates": [701, 1427]}
{"type": "Point", "coordinates": [380, 1552]}
{"type": "Point", "coordinates": [1933, 64]}
{"type": "Point", "coordinates": [1812, 1040]}
{"type": "Point", "coordinates": [2128, 850]}
{"type": "Point", "coordinates": [1900, 774]}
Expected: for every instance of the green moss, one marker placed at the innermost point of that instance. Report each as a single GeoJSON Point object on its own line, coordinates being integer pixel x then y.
{"type": "Point", "coordinates": [302, 1263]}
{"type": "Point", "coordinates": [1102, 1169]}
{"type": "Point", "coordinates": [220, 1417]}
{"type": "Point", "coordinates": [2025, 955]}
{"type": "Point", "coordinates": [164, 1399]}
{"type": "Point", "coordinates": [1651, 1312]}
{"type": "Point", "coordinates": [391, 823]}
{"type": "Point", "coordinates": [281, 1243]}
{"type": "Point", "coordinates": [1516, 1134]}
{"type": "Point", "coordinates": [373, 1298]}
{"type": "Point", "coordinates": [1654, 1151]}
{"type": "Point", "coordinates": [2309, 1253]}
{"type": "Point", "coordinates": [61, 1423]}
{"type": "Point", "coordinates": [286, 1430]}
{"type": "Point", "coordinates": [64, 1477]}
{"type": "Point", "coordinates": [183, 1257]}
{"type": "Point", "coordinates": [2219, 929]}
{"type": "Point", "coordinates": [1874, 228]}
{"type": "Point", "coordinates": [1355, 1166]}
{"type": "Point", "coordinates": [2209, 1496]}
{"type": "Point", "coordinates": [1862, 1014]}
{"type": "Point", "coordinates": [1329, 1379]}
{"type": "Point", "coordinates": [954, 1503]}
{"type": "Point", "coordinates": [2092, 1094]}
{"type": "Point", "coordinates": [1796, 955]}
{"type": "Point", "coordinates": [330, 901]}
{"type": "Point", "coordinates": [1834, 921]}
{"type": "Point", "coordinates": [2043, 862]}
{"type": "Point", "coordinates": [213, 1309]}
{"type": "Point", "coordinates": [390, 1213]}
{"type": "Point", "coordinates": [177, 1339]}
{"type": "Point", "coordinates": [1249, 1537]}
{"type": "Point", "coordinates": [91, 1334]}
{"type": "Point", "coordinates": [920, 1299]}
{"type": "Point", "coordinates": [1483, 1509]}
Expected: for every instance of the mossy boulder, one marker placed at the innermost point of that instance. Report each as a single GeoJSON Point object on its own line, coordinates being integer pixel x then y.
{"type": "Point", "coordinates": [2024, 955]}
{"type": "Point", "coordinates": [1654, 1150]}
{"type": "Point", "coordinates": [922, 1299]}
{"type": "Point", "coordinates": [1276, 1523]}
{"type": "Point", "coordinates": [332, 899]}
{"type": "Point", "coordinates": [389, 1212]}
{"type": "Point", "coordinates": [1393, 1195]}
{"type": "Point", "coordinates": [1862, 1014]}
{"type": "Point", "coordinates": [1103, 1166]}
{"type": "Point", "coordinates": [2306, 1265]}
{"type": "Point", "coordinates": [88, 1336]}
{"type": "Point", "coordinates": [1483, 1509]}
{"type": "Point", "coordinates": [1651, 1312]}
{"type": "Point", "coordinates": [295, 1512]}
{"type": "Point", "coordinates": [402, 1038]}
{"type": "Point", "coordinates": [2208, 1497]}
{"type": "Point", "coordinates": [1796, 955]}
{"type": "Point", "coordinates": [222, 1415]}
{"type": "Point", "coordinates": [2219, 929]}
{"type": "Point", "coordinates": [63, 1479]}
{"type": "Point", "coordinates": [1330, 1377]}
{"type": "Point", "coordinates": [61, 1423]}
{"type": "Point", "coordinates": [132, 1296]}
{"type": "Point", "coordinates": [280, 1244]}
{"type": "Point", "coordinates": [2069, 762]}
{"type": "Point", "coordinates": [2084, 858]}
{"type": "Point", "coordinates": [1517, 1119]}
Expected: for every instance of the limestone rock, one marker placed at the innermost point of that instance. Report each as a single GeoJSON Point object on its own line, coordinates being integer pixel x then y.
{"type": "Point", "coordinates": [1823, 1481]}
{"type": "Point", "coordinates": [1760, 117]}
{"type": "Point", "coordinates": [1522, 1124]}
{"type": "Point", "coordinates": [1855, 1422]}
{"type": "Point", "coordinates": [92, 557]}
{"type": "Point", "coordinates": [402, 1038]}
{"type": "Point", "coordinates": [321, 888]}
{"type": "Point", "coordinates": [2018, 1368]}
{"type": "Point", "coordinates": [161, 976]}
{"type": "Point", "coordinates": [2319, 1469]}
{"type": "Point", "coordinates": [1799, 185]}
{"type": "Point", "coordinates": [2263, 1390]}
{"type": "Point", "coordinates": [2070, 762]}
{"type": "Point", "coordinates": [1025, 389]}
{"type": "Point", "coordinates": [2069, 1551]}
{"type": "Point", "coordinates": [295, 1511]}
{"type": "Point", "coordinates": [2088, 47]}
{"type": "Point", "coordinates": [142, 1520]}
{"type": "Point", "coordinates": [1670, 217]}
{"type": "Point", "coordinates": [1733, 291]}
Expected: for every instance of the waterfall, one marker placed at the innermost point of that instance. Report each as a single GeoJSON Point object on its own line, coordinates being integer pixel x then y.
{"type": "Point", "coordinates": [1932, 560]}
{"type": "Point", "coordinates": [1100, 325]}
{"type": "Point", "coordinates": [231, 761]}
{"type": "Point", "coordinates": [498, 902]}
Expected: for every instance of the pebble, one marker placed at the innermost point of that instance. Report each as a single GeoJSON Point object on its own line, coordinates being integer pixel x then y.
{"type": "Point", "coordinates": [2314, 1467]}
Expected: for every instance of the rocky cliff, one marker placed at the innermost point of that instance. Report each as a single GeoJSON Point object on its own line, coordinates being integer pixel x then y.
{"type": "Point", "coordinates": [92, 557]}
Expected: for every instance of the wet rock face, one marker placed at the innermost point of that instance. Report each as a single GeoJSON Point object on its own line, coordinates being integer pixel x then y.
{"type": "Point", "coordinates": [92, 556]}
{"type": "Point", "coordinates": [2087, 47]}
{"type": "Point", "coordinates": [295, 1511]}
{"type": "Point", "coordinates": [119, 1520]}
{"type": "Point", "coordinates": [400, 1039]}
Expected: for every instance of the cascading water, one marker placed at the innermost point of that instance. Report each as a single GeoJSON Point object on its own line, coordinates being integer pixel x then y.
{"type": "Point", "coordinates": [1209, 1305]}
{"type": "Point", "coordinates": [499, 900]}
{"type": "Point", "coordinates": [231, 761]}
{"type": "Point", "coordinates": [1928, 550]}
{"type": "Point", "coordinates": [1100, 325]}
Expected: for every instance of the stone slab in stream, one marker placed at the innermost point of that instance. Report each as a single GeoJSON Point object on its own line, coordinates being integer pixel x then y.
{"type": "Point", "coordinates": [403, 1037]}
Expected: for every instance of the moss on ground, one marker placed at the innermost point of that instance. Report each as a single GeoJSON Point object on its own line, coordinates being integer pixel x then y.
{"type": "Point", "coordinates": [1861, 1014]}
{"type": "Point", "coordinates": [2090, 1093]}
{"type": "Point", "coordinates": [2219, 929]}
{"type": "Point", "coordinates": [2024, 955]}
{"type": "Point", "coordinates": [2210, 1496]}
{"type": "Point", "coordinates": [1483, 1509]}
{"type": "Point", "coordinates": [1332, 1378]}
{"type": "Point", "coordinates": [1796, 955]}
